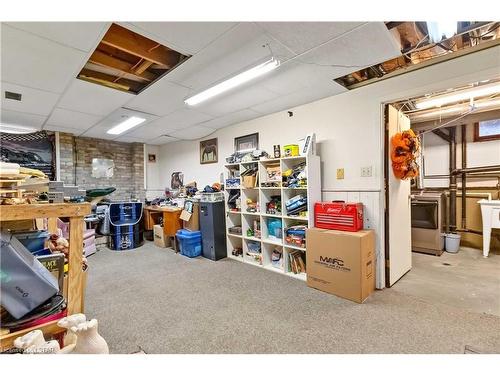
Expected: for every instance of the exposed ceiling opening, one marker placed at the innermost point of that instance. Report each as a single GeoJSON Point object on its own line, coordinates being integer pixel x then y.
{"type": "Point", "coordinates": [127, 61]}
{"type": "Point", "coordinates": [418, 49]}
{"type": "Point", "coordinates": [448, 106]}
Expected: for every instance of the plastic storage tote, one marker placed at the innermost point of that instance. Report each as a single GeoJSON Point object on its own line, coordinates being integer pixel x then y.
{"type": "Point", "coordinates": [33, 240]}
{"type": "Point", "coordinates": [189, 243]}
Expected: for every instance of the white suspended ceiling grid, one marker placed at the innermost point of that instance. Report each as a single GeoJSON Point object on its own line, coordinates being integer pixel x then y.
{"type": "Point", "coordinates": [41, 61]}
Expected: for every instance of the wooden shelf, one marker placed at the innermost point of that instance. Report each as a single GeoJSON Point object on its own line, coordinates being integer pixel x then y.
{"type": "Point", "coordinates": [76, 278]}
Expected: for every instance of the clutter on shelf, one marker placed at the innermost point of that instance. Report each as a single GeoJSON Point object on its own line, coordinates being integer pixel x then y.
{"type": "Point", "coordinates": [254, 251]}
{"type": "Point", "coordinates": [252, 205]}
{"type": "Point", "coordinates": [297, 205]}
{"type": "Point", "coordinates": [254, 231]}
{"type": "Point", "coordinates": [296, 262]}
{"type": "Point", "coordinates": [237, 252]}
{"type": "Point", "coordinates": [20, 185]}
{"type": "Point", "coordinates": [295, 177]}
{"type": "Point", "coordinates": [235, 229]}
{"type": "Point", "coordinates": [232, 183]}
{"type": "Point", "coordinates": [295, 235]}
{"type": "Point", "coordinates": [273, 173]}
{"type": "Point", "coordinates": [234, 200]}
{"type": "Point", "coordinates": [338, 215]}
{"type": "Point", "coordinates": [277, 257]}
{"type": "Point", "coordinates": [291, 150]}
{"type": "Point", "coordinates": [274, 228]}
{"type": "Point", "coordinates": [250, 176]}
{"type": "Point", "coordinates": [273, 207]}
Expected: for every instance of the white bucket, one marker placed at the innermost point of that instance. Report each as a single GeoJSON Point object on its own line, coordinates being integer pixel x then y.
{"type": "Point", "coordinates": [452, 242]}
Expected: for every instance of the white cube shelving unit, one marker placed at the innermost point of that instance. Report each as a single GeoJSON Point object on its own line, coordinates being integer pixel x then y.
{"type": "Point", "coordinates": [263, 195]}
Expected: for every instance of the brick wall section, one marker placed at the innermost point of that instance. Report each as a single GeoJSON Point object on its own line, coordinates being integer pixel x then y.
{"type": "Point", "coordinates": [128, 177]}
{"type": "Point", "coordinates": [67, 163]}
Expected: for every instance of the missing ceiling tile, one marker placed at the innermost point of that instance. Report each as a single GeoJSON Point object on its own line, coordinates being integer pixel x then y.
{"type": "Point", "coordinates": [13, 95]}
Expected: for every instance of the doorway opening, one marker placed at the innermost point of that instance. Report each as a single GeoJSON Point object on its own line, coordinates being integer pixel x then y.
{"type": "Point", "coordinates": [442, 224]}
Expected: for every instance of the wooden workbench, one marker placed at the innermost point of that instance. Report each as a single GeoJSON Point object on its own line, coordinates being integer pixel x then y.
{"type": "Point", "coordinates": [75, 212]}
{"type": "Point", "coordinates": [171, 219]}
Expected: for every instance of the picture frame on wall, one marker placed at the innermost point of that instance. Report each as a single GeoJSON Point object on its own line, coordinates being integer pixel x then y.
{"type": "Point", "coordinates": [246, 143]}
{"type": "Point", "coordinates": [209, 151]}
{"type": "Point", "coordinates": [152, 158]}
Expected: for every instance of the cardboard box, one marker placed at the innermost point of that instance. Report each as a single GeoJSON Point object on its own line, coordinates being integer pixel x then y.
{"type": "Point", "coordinates": [191, 220]}
{"type": "Point", "coordinates": [341, 263]}
{"type": "Point", "coordinates": [249, 181]}
{"type": "Point", "coordinates": [160, 239]}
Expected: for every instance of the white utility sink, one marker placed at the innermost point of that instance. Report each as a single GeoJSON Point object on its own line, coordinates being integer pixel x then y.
{"type": "Point", "coordinates": [490, 212]}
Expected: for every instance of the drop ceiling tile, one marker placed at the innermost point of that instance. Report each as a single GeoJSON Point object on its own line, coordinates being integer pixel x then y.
{"type": "Point", "coordinates": [74, 120]}
{"type": "Point", "coordinates": [232, 119]}
{"type": "Point", "coordinates": [295, 99]}
{"type": "Point", "coordinates": [161, 98]}
{"type": "Point", "coordinates": [302, 36]}
{"type": "Point", "coordinates": [187, 37]}
{"type": "Point", "coordinates": [192, 132]}
{"type": "Point", "coordinates": [363, 47]}
{"type": "Point", "coordinates": [21, 118]}
{"type": "Point", "coordinates": [242, 57]}
{"type": "Point", "coordinates": [80, 35]}
{"type": "Point", "coordinates": [63, 129]}
{"type": "Point", "coordinates": [235, 100]}
{"type": "Point", "coordinates": [116, 117]}
{"type": "Point", "coordinates": [33, 101]}
{"type": "Point", "coordinates": [161, 140]}
{"type": "Point", "coordinates": [91, 98]}
{"type": "Point", "coordinates": [32, 61]}
{"type": "Point", "coordinates": [152, 130]}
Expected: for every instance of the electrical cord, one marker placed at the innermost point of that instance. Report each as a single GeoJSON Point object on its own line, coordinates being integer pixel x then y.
{"type": "Point", "coordinates": [472, 109]}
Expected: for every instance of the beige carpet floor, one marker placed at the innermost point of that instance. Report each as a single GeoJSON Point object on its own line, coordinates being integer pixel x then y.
{"type": "Point", "coordinates": [154, 300]}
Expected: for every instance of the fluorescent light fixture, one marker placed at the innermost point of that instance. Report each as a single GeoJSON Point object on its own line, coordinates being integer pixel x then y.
{"type": "Point", "coordinates": [230, 83]}
{"type": "Point", "coordinates": [475, 92]}
{"type": "Point", "coordinates": [123, 126]}
{"type": "Point", "coordinates": [439, 29]}
{"type": "Point", "coordinates": [16, 129]}
{"type": "Point", "coordinates": [456, 109]}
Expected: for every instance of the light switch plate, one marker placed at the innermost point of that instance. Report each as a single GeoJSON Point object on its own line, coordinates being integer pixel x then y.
{"type": "Point", "coordinates": [340, 173]}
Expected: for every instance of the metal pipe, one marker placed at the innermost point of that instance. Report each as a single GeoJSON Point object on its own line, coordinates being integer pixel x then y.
{"type": "Point", "coordinates": [473, 231]}
{"type": "Point", "coordinates": [491, 168]}
{"type": "Point", "coordinates": [463, 135]}
{"type": "Point", "coordinates": [453, 181]}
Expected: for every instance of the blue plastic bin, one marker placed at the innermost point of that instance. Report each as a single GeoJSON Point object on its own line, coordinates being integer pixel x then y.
{"type": "Point", "coordinates": [32, 240]}
{"type": "Point", "coordinates": [189, 243]}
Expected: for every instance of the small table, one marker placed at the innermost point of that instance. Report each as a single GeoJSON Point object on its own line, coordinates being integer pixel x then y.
{"type": "Point", "coordinates": [490, 212]}
{"type": "Point", "coordinates": [171, 219]}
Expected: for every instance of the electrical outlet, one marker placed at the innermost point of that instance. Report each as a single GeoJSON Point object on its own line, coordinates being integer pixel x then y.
{"type": "Point", "coordinates": [366, 171]}
{"type": "Point", "coordinates": [340, 173]}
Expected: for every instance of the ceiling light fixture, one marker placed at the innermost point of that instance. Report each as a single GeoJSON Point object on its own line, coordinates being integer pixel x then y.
{"type": "Point", "coordinates": [232, 82]}
{"type": "Point", "coordinates": [439, 29]}
{"type": "Point", "coordinates": [468, 94]}
{"type": "Point", "coordinates": [16, 129]}
{"type": "Point", "coordinates": [123, 126]}
{"type": "Point", "coordinates": [483, 105]}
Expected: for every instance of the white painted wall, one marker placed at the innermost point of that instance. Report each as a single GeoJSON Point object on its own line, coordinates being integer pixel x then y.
{"type": "Point", "coordinates": [349, 131]}
{"type": "Point", "coordinates": [153, 175]}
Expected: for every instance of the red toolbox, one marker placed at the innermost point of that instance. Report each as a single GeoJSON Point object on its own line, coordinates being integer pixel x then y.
{"type": "Point", "coordinates": [338, 215]}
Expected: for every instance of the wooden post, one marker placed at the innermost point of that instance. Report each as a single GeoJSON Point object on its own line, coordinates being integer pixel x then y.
{"type": "Point", "coordinates": [75, 272]}
{"type": "Point", "coordinates": [52, 225]}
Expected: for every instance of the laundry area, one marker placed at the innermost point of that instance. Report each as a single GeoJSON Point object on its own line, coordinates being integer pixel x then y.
{"type": "Point", "coordinates": [250, 188]}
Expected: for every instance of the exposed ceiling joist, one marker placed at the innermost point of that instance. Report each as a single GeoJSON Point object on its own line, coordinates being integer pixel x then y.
{"type": "Point", "coordinates": [140, 46]}
{"type": "Point", "coordinates": [104, 59]}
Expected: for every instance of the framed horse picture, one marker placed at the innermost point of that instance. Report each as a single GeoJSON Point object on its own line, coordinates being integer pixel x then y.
{"type": "Point", "coordinates": [208, 151]}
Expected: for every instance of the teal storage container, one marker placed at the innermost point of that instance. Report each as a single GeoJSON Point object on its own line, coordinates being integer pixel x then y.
{"type": "Point", "coordinates": [189, 243]}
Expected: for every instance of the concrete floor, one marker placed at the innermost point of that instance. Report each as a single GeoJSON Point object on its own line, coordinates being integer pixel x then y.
{"type": "Point", "coordinates": [465, 280]}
